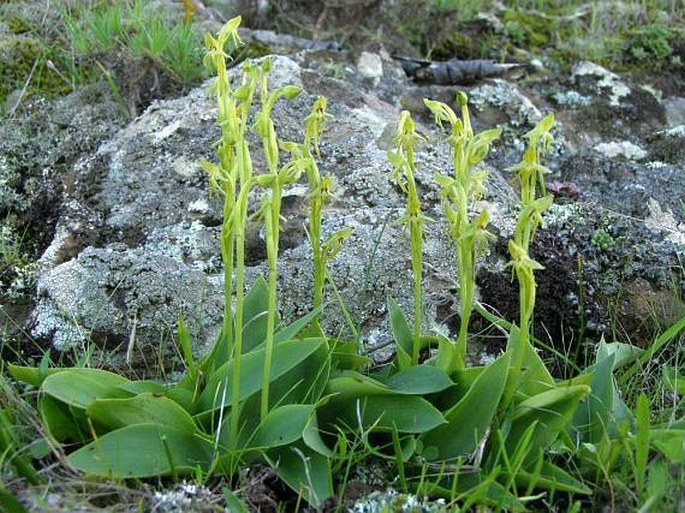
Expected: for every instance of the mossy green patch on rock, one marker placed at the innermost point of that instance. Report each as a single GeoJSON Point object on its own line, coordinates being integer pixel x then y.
{"type": "Point", "coordinates": [529, 29]}
{"type": "Point", "coordinates": [17, 24]}
{"type": "Point", "coordinates": [24, 65]}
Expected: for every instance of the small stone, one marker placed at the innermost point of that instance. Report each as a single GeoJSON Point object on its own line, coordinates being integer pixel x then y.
{"type": "Point", "coordinates": [199, 207]}
{"type": "Point", "coordinates": [537, 65]}
{"type": "Point", "coordinates": [624, 149]}
{"type": "Point", "coordinates": [370, 67]}
{"type": "Point", "coordinates": [675, 111]}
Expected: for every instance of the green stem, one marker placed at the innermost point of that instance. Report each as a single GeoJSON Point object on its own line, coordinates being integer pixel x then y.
{"type": "Point", "coordinates": [313, 129]}
{"type": "Point", "coordinates": [520, 352]}
{"type": "Point", "coordinates": [416, 243]}
{"type": "Point", "coordinates": [241, 222]}
{"type": "Point", "coordinates": [466, 272]}
{"type": "Point", "coordinates": [524, 314]}
{"type": "Point", "coordinates": [273, 218]}
{"type": "Point", "coordinates": [227, 248]}
{"type": "Point", "coordinates": [417, 266]}
{"type": "Point", "coordinates": [466, 290]}
{"type": "Point", "coordinates": [315, 240]}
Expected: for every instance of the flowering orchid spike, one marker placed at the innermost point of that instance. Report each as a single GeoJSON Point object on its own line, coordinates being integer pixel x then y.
{"type": "Point", "coordinates": [229, 32]}
{"type": "Point", "coordinates": [334, 243]}
{"type": "Point", "coordinates": [463, 101]}
{"type": "Point", "coordinates": [441, 112]}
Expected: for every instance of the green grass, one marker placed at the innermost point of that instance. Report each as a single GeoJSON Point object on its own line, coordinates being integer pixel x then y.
{"type": "Point", "coordinates": [139, 33]}
{"type": "Point", "coordinates": [139, 51]}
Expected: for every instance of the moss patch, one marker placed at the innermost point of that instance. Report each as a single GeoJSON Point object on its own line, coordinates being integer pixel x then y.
{"type": "Point", "coordinates": [24, 64]}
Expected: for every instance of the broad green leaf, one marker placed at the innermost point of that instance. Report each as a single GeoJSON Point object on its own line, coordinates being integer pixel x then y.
{"type": "Point", "coordinates": [671, 443]}
{"type": "Point", "coordinates": [79, 387]}
{"type": "Point", "coordinates": [312, 437]}
{"type": "Point", "coordinates": [552, 477]}
{"type": "Point", "coordinates": [34, 376]}
{"type": "Point", "coordinates": [141, 387]}
{"type": "Point", "coordinates": [301, 384]}
{"type": "Point", "coordinates": [354, 384]}
{"type": "Point", "coordinates": [419, 380]}
{"type": "Point", "coordinates": [592, 420]}
{"type": "Point", "coordinates": [307, 472]}
{"type": "Point", "coordinates": [403, 359]}
{"type": "Point", "coordinates": [184, 397]}
{"type": "Point", "coordinates": [534, 377]}
{"type": "Point", "coordinates": [287, 356]}
{"type": "Point", "coordinates": [407, 447]}
{"type": "Point", "coordinates": [304, 383]}
{"type": "Point", "coordinates": [282, 426]}
{"type": "Point", "coordinates": [470, 418]}
{"type": "Point", "coordinates": [551, 411]}
{"type": "Point", "coordinates": [255, 308]}
{"type": "Point", "coordinates": [660, 476]}
{"type": "Point", "coordinates": [413, 381]}
{"type": "Point", "coordinates": [641, 440]}
{"type": "Point", "coordinates": [61, 422]}
{"type": "Point", "coordinates": [406, 413]}
{"type": "Point", "coordinates": [255, 311]}
{"type": "Point", "coordinates": [465, 378]}
{"type": "Point", "coordinates": [143, 450]}
{"type": "Point", "coordinates": [402, 334]}
{"type": "Point", "coordinates": [621, 415]}
{"type": "Point", "coordinates": [218, 356]}
{"type": "Point", "coordinates": [142, 409]}
{"type": "Point", "coordinates": [312, 330]}
{"type": "Point", "coordinates": [294, 329]}
{"type": "Point", "coordinates": [445, 360]}
{"type": "Point", "coordinates": [344, 356]}
{"type": "Point", "coordinates": [622, 353]}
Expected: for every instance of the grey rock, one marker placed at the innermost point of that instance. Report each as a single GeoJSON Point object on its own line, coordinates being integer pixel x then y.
{"type": "Point", "coordinates": [603, 80]}
{"type": "Point", "coordinates": [370, 67]}
{"type": "Point", "coordinates": [624, 149]}
{"type": "Point", "coordinates": [675, 111]}
{"type": "Point", "coordinates": [138, 239]}
{"type": "Point", "coordinates": [153, 250]}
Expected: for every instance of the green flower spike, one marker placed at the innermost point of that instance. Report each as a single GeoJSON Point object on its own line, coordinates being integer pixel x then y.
{"type": "Point", "coordinates": [319, 194]}
{"type": "Point", "coordinates": [402, 161]}
{"type": "Point", "coordinates": [458, 191]}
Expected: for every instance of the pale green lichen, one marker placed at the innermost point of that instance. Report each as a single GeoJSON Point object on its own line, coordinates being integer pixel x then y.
{"type": "Point", "coordinates": [390, 501]}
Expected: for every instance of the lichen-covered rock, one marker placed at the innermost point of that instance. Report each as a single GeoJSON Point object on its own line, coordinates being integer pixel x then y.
{"type": "Point", "coordinates": [38, 147]}
{"type": "Point", "coordinates": [138, 239]}
{"type": "Point", "coordinates": [140, 217]}
{"type": "Point", "coordinates": [105, 292]}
